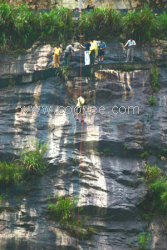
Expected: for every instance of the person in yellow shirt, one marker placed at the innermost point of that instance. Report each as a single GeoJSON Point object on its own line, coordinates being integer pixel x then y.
{"type": "Point", "coordinates": [57, 51]}
{"type": "Point", "coordinates": [92, 51]}
{"type": "Point", "coordinates": [81, 101]}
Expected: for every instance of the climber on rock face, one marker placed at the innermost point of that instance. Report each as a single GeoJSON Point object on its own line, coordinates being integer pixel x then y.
{"type": "Point", "coordinates": [81, 101]}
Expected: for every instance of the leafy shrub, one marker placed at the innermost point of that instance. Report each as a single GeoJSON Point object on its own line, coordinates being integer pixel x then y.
{"type": "Point", "coordinates": [159, 190]}
{"type": "Point", "coordinates": [64, 71]}
{"type": "Point", "coordinates": [32, 159]}
{"type": "Point", "coordinates": [155, 74]}
{"type": "Point", "coordinates": [162, 24]}
{"type": "Point", "coordinates": [64, 212]}
{"type": "Point", "coordinates": [107, 151]}
{"type": "Point", "coordinates": [144, 155]}
{"type": "Point", "coordinates": [57, 24]}
{"type": "Point", "coordinates": [158, 187]}
{"type": "Point", "coordinates": [152, 101]}
{"type": "Point", "coordinates": [30, 162]}
{"type": "Point", "coordinates": [102, 22]}
{"type": "Point", "coordinates": [143, 239]}
{"type": "Point", "coordinates": [75, 161]}
{"type": "Point", "coordinates": [146, 217]}
{"type": "Point", "coordinates": [164, 196]}
{"type": "Point", "coordinates": [11, 173]}
{"type": "Point", "coordinates": [17, 25]}
{"type": "Point", "coordinates": [20, 27]}
{"type": "Point", "coordinates": [152, 173]}
{"type": "Point", "coordinates": [127, 68]}
{"type": "Point", "coordinates": [141, 25]}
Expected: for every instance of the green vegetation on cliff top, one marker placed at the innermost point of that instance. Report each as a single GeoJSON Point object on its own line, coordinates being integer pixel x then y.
{"type": "Point", "coordinates": [20, 27]}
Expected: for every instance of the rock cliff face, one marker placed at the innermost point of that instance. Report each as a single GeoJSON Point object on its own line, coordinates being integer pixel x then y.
{"type": "Point", "coordinates": [112, 140]}
{"type": "Point", "coordinates": [115, 4]}
{"type": "Point", "coordinates": [40, 57]}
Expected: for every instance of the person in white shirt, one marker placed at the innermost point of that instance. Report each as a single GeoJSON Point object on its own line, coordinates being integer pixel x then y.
{"type": "Point", "coordinates": [130, 52]}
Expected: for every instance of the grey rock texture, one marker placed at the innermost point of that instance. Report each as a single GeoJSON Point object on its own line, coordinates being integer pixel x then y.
{"type": "Point", "coordinates": [110, 189]}
{"type": "Point", "coordinates": [37, 57]}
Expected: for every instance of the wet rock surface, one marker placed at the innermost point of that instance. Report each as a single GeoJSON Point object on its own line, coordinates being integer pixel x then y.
{"type": "Point", "coordinates": [110, 189]}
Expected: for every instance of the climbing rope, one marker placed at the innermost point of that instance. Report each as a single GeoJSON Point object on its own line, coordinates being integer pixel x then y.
{"type": "Point", "coordinates": [81, 126]}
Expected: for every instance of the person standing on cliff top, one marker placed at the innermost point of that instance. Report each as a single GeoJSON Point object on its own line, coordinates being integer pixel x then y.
{"type": "Point", "coordinates": [81, 101]}
{"type": "Point", "coordinates": [92, 51]}
{"type": "Point", "coordinates": [57, 51]}
{"type": "Point", "coordinates": [68, 53]}
{"type": "Point", "coordinates": [101, 50]}
{"type": "Point", "coordinates": [130, 52]}
{"type": "Point", "coordinates": [86, 47]}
